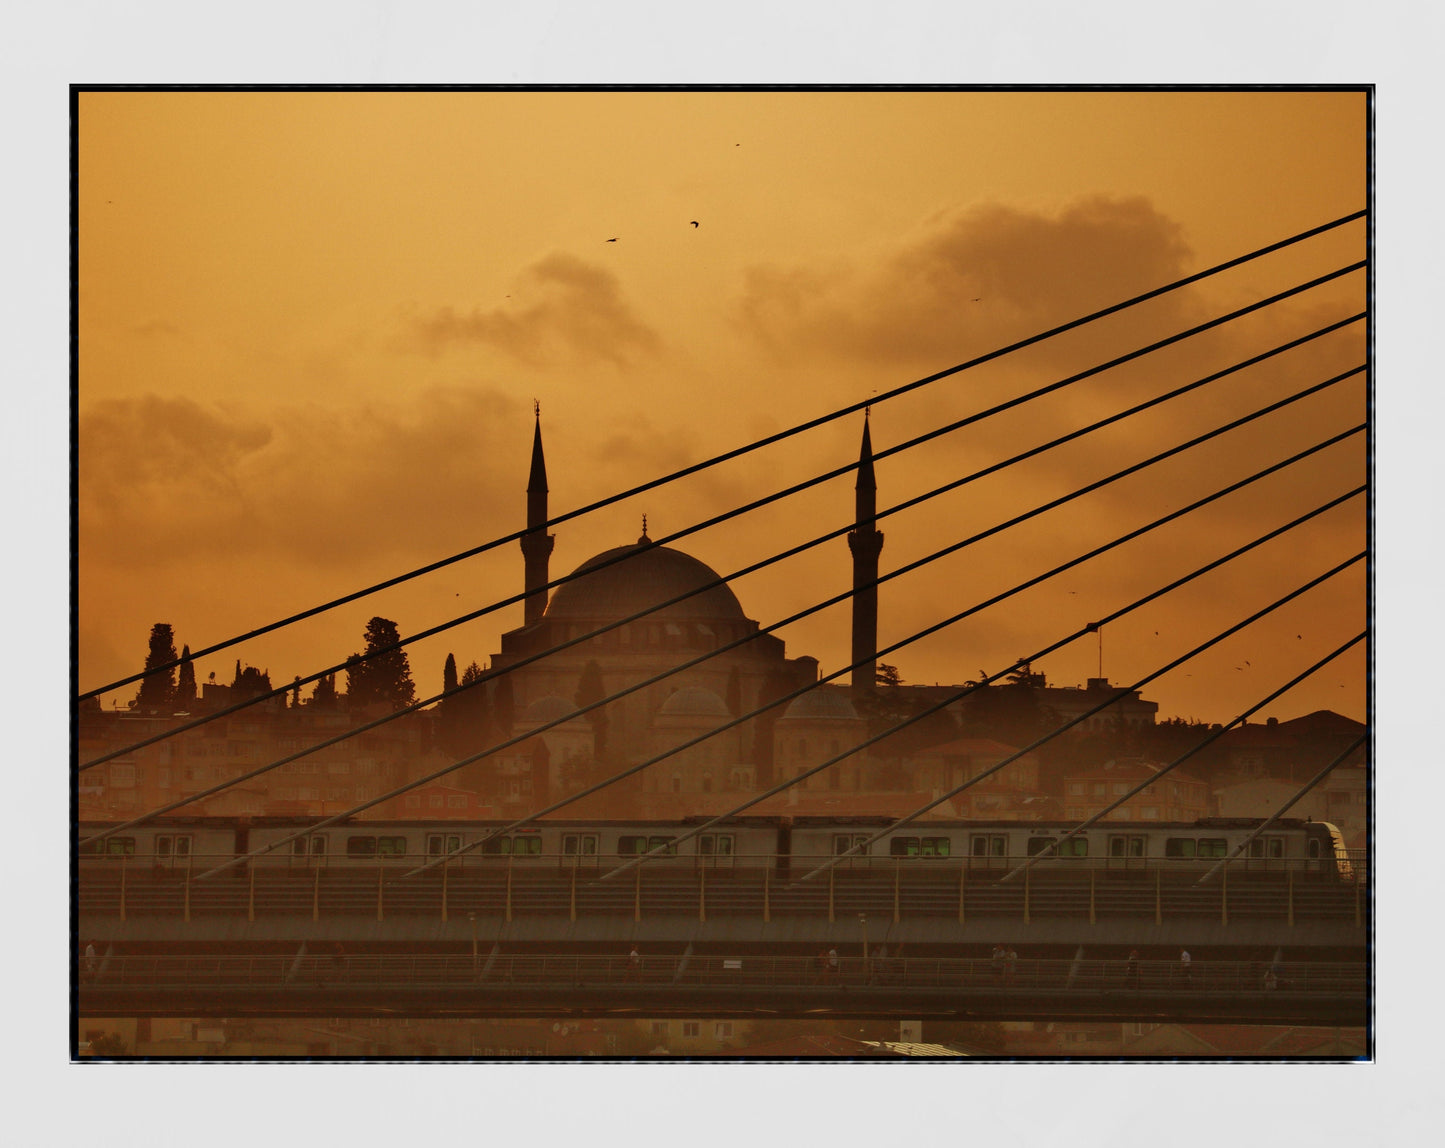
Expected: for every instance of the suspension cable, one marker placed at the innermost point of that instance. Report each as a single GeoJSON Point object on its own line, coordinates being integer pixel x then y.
{"type": "Point", "coordinates": [811, 771]}
{"type": "Point", "coordinates": [1213, 736]}
{"type": "Point", "coordinates": [799, 692]}
{"type": "Point", "coordinates": [735, 453]}
{"type": "Point", "coordinates": [1280, 812]}
{"type": "Point", "coordinates": [592, 569]}
{"type": "Point", "coordinates": [921, 810]}
{"type": "Point", "coordinates": [189, 799]}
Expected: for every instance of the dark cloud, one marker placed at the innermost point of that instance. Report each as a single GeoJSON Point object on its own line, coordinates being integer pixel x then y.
{"type": "Point", "coordinates": [992, 270]}
{"type": "Point", "coordinates": [567, 306]}
{"type": "Point", "coordinates": [165, 479]}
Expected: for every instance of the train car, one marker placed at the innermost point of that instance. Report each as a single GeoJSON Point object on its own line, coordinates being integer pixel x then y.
{"type": "Point", "coordinates": [789, 845]}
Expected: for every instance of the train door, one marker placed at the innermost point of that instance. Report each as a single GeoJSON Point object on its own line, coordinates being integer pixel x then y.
{"type": "Point", "coordinates": [1127, 851]}
{"type": "Point", "coordinates": [1314, 855]}
{"type": "Point", "coordinates": [842, 842]}
{"type": "Point", "coordinates": [173, 850]}
{"type": "Point", "coordinates": [442, 844]}
{"type": "Point", "coordinates": [308, 855]}
{"type": "Point", "coordinates": [579, 851]}
{"type": "Point", "coordinates": [1266, 853]}
{"type": "Point", "coordinates": [988, 851]}
{"type": "Point", "coordinates": [715, 851]}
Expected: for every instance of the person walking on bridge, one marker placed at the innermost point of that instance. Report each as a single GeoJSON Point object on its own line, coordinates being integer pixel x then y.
{"type": "Point", "coordinates": [1131, 970]}
{"type": "Point", "coordinates": [634, 964]}
{"type": "Point", "coordinates": [89, 960]}
{"type": "Point", "coordinates": [999, 959]}
{"type": "Point", "coordinates": [1185, 973]}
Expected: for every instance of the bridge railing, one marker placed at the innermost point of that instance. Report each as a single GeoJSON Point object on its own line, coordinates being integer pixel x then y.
{"type": "Point", "coordinates": [1355, 865]}
{"type": "Point", "coordinates": [422, 971]}
{"type": "Point", "coordinates": [126, 887]}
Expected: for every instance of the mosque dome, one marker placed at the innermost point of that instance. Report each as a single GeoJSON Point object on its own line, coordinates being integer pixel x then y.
{"type": "Point", "coordinates": [820, 705]}
{"type": "Point", "coordinates": [694, 701]}
{"type": "Point", "coordinates": [630, 579]}
{"type": "Point", "coordinates": [548, 708]}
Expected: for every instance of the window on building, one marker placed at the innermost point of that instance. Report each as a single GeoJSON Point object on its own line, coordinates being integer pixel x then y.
{"type": "Point", "coordinates": [722, 1030]}
{"type": "Point", "coordinates": [691, 1027]}
{"type": "Point", "coordinates": [1121, 788]}
{"type": "Point", "coordinates": [1076, 788]}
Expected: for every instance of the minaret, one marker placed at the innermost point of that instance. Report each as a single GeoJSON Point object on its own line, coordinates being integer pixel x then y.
{"type": "Point", "coordinates": [536, 543]}
{"type": "Point", "coordinates": [865, 541]}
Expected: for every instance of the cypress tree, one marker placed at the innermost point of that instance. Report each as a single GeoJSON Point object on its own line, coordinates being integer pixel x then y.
{"type": "Point", "coordinates": [384, 678]}
{"type": "Point", "coordinates": [158, 689]}
{"type": "Point", "coordinates": [186, 681]}
{"type": "Point", "coordinates": [449, 674]}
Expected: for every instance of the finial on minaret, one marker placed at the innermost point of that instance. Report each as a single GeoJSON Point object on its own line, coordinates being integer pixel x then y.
{"type": "Point", "coordinates": [537, 408]}
{"type": "Point", "coordinates": [644, 537]}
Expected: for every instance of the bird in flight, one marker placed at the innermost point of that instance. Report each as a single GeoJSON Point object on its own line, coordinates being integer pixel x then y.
{"type": "Point", "coordinates": [612, 240]}
{"type": "Point", "coordinates": [694, 222]}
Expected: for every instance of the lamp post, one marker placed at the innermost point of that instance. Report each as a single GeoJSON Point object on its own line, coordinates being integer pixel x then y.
{"type": "Point", "coordinates": [472, 917]}
{"type": "Point", "coordinates": [863, 925]}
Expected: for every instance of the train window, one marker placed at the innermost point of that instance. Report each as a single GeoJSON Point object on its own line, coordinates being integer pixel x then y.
{"type": "Point", "coordinates": [575, 843]}
{"type": "Point", "coordinates": [391, 846]}
{"type": "Point", "coordinates": [527, 846]}
{"type": "Point", "coordinates": [715, 845]}
{"type": "Point", "coordinates": [1136, 846]}
{"type": "Point", "coordinates": [1038, 844]}
{"type": "Point", "coordinates": [935, 846]}
{"type": "Point", "coordinates": [497, 845]}
{"type": "Point", "coordinates": [318, 845]}
{"type": "Point", "coordinates": [437, 844]}
{"type": "Point", "coordinates": [1074, 847]}
{"type": "Point", "coordinates": [1179, 847]}
{"type": "Point", "coordinates": [988, 845]}
{"type": "Point", "coordinates": [163, 845]}
{"type": "Point", "coordinates": [1276, 847]}
{"type": "Point", "coordinates": [1213, 847]}
{"type": "Point", "coordinates": [1314, 848]}
{"type": "Point", "coordinates": [903, 847]}
{"type": "Point", "coordinates": [111, 847]}
{"type": "Point", "coordinates": [631, 846]}
{"type": "Point", "coordinates": [361, 846]}
{"type": "Point", "coordinates": [659, 843]}
{"type": "Point", "coordinates": [843, 842]}
{"type": "Point", "coordinates": [298, 847]}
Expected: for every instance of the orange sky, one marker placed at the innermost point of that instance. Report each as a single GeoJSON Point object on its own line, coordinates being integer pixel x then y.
{"type": "Point", "coordinates": [311, 326]}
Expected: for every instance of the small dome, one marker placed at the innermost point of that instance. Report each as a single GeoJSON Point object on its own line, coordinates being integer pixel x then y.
{"type": "Point", "coordinates": [820, 705]}
{"type": "Point", "coordinates": [549, 708]}
{"type": "Point", "coordinates": [694, 701]}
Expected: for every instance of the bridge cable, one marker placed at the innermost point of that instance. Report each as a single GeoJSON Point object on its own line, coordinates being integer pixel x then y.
{"type": "Point", "coordinates": [735, 453]}
{"type": "Point", "coordinates": [189, 799]}
{"type": "Point", "coordinates": [1280, 812]}
{"type": "Point", "coordinates": [922, 809]}
{"type": "Point", "coordinates": [892, 730]}
{"type": "Point", "coordinates": [777, 625]}
{"type": "Point", "coordinates": [716, 519]}
{"type": "Point", "coordinates": [1213, 736]}
{"type": "Point", "coordinates": [895, 646]}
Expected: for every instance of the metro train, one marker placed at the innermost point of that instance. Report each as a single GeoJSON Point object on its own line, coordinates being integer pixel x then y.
{"type": "Point", "coordinates": [786, 844]}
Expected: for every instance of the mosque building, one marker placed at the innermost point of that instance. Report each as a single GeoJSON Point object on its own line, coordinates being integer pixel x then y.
{"type": "Point", "coordinates": [678, 609]}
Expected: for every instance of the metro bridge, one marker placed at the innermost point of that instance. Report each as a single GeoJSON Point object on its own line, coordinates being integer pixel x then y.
{"type": "Point", "coordinates": [722, 985]}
